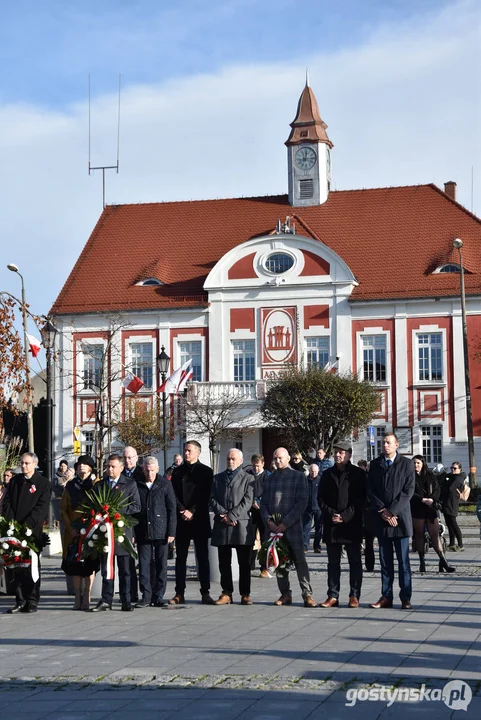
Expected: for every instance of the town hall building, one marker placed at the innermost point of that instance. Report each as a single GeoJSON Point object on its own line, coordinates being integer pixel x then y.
{"type": "Point", "coordinates": [363, 280]}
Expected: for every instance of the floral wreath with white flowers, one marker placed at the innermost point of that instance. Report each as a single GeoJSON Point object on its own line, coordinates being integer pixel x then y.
{"type": "Point", "coordinates": [16, 542]}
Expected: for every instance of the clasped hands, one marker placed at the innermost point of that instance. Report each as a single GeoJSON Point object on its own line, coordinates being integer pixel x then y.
{"type": "Point", "coordinates": [186, 514]}
{"type": "Point", "coordinates": [389, 517]}
{"type": "Point", "coordinates": [281, 528]}
{"type": "Point", "coordinates": [336, 518]}
{"type": "Point", "coordinates": [225, 519]}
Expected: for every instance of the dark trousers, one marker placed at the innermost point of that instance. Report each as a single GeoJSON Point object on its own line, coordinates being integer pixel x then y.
{"type": "Point", "coordinates": [387, 546]}
{"type": "Point", "coordinates": [302, 574]}
{"type": "Point", "coordinates": [455, 535]}
{"type": "Point", "coordinates": [201, 546]}
{"type": "Point", "coordinates": [257, 524]}
{"type": "Point", "coordinates": [368, 550]}
{"type": "Point", "coordinates": [134, 585]}
{"type": "Point", "coordinates": [334, 551]}
{"type": "Point", "coordinates": [123, 568]}
{"type": "Point", "coordinates": [307, 519]}
{"type": "Point", "coordinates": [154, 552]}
{"type": "Point", "coordinates": [27, 592]}
{"type": "Point", "coordinates": [225, 568]}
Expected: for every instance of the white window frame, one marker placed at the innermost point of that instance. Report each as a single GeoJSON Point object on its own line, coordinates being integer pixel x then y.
{"type": "Point", "coordinates": [364, 335]}
{"type": "Point", "coordinates": [429, 330]}
{"type": "Point", "coordinates": [318, 336]}
{"type": "Point", "coordinates": [431, 459]}
{"type": "Point", "coordinates": [188, 339]}
{"type": "Point", "coordinates": [378, 449]}
{"type": "Point", "coordinates": [81, 357]}
{"type": "Point", "coordinates": [138, 340]}
{"type": "Point", "coordinates": [360, 353]}
{"type": "Point", "coordinates": [233, 354]}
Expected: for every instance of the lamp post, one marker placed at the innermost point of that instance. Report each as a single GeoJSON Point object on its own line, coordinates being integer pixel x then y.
{"type": "Point", "coordinates": [14, 268]}
{"type": "Point", "coordinates": [49, 332]}
{"type": "Point", "coordinates": [163, 363]}
{"type": "Point", "coordinates": [458, 244]}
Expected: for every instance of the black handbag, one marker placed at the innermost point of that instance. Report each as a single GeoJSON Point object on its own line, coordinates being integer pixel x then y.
{"type": "Point", "coordinates": [72, 554]}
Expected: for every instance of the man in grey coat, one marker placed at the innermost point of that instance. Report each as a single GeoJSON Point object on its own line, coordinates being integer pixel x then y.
{"type": "Point", "coordinates": [286, 494]}
{"type": "Point", "coordinates": [231, 501]}
{"type": "Point", "coordinates": [391, 483]}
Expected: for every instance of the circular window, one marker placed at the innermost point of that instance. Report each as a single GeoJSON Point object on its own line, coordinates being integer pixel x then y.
{"type": "Point", "coordinates": [279, 263]}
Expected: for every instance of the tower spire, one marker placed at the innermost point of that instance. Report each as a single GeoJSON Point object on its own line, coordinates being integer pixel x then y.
{"type": "Point", "coordinates": [307, 77]}
{"type": "Point", "coordinates": [308, 124]}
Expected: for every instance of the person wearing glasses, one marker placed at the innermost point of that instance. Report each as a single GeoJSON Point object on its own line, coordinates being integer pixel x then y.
{"type": "Point", "coordinates": [451, 491]}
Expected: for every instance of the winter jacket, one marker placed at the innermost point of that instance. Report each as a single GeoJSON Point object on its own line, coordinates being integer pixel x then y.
{"type": "Point", "coordinates": [343, 492]}
{"type": "Point", "coordinates": [158, 514]}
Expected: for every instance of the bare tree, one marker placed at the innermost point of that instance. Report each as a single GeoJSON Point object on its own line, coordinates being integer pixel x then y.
{"type": "Point", "coordinates": [217, 411]}
{"type": "Point", "coordinates": [142, 427]}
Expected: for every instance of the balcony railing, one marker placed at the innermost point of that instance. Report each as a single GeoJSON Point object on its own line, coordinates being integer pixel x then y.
{"type": "Point", "coordinates": [220, 391]}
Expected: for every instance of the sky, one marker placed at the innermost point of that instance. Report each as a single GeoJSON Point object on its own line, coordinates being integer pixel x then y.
{"type": "Point", "coordinates": [209, 88]}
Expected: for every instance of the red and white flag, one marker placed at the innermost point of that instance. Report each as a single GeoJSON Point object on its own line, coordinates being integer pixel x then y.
{"type": "Point", "coordinates": [331, 367]}
{"type": "Point", "coordinates": [176, 382]}
{"type": "Point", "coordinates": [132, 383]}
{"type": "Point", "coordinates": [34, 344]}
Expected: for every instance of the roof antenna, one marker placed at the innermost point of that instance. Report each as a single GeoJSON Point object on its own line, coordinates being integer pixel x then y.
{"type": "Point", "coordinates": [105, 167]}
{"type": "Point", "coordinates": [307, 77]}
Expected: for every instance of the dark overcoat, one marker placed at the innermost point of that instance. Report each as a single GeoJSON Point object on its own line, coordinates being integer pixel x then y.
{"type": "Point", "coordinates": [425, 486]}
{"type": "Point", "coordinates": [233, 496]}
{"type": "Point", "coordinates": [192, 483]}
{"type": "Point", "coordinates": [285, 493]}
{"type": "Point", "coordinates": [343, 492]}
{"type": "Point", "coordinates": [27, 501]}
{"type": "Point", "coordinates": [158, 514]}
{"type": "Point", "coordinates": [128, 488]}
{"type": "Point", "coordinates": [392, 489]}
{"type": "Point", "coordinates": [449, 495]}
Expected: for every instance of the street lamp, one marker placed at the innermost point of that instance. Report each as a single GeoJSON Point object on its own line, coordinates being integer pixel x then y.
{"type": "Point", "coordinates": [13, 268]}
{"type": "Point", "coordinates": [163, 363]}
{"type": "Point", "coordinates": [457, 245]}
{"type": "Point", "coordinates": [49, 332]}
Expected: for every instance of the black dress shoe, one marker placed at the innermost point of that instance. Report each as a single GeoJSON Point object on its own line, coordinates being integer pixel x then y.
{"type": "Point", "coordinates": [158, 603]}
{"type": "Point", "coordinates": [127, 608]}
{"type": "Point", "coordinates": [143, 604]}
{"type": "Point", "coordinates": [29, 609]}
{"type": "Point", "coordinates": [16, 609]}
{"type": "Point", "coordinates": [101, 607]}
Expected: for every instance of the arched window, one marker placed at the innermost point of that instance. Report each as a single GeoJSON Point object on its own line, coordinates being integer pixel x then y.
{"type": "Point", "coordinates": [448, 268]}
{"type": "Point", "coordinates": [149, 281]}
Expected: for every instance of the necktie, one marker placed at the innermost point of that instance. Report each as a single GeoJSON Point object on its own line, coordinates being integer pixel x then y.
{"type": "Point", "coordinates": [388, 464]}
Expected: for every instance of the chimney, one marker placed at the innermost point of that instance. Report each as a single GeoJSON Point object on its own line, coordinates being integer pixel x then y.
{"type": "Point", "coordinates": [450, 189]}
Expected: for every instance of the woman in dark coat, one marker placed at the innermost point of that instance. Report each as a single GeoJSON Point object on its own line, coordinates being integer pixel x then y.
{"type": "Point", "coordinates": [424, 511]}
{"type": "Point", "coordinates": [451, 489]}
{"type": "Point", "coordinates": [74, 495]}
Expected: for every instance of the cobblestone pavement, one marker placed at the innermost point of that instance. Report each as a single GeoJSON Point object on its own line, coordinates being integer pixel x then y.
{"type": "Point", "coordinates": [261, 661]}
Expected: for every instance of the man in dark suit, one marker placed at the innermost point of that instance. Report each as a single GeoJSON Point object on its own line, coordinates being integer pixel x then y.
{"type": "Point", "coordinates": [128, 487]}
{"type": "Point", "coordinates": [342, 497]}
{"type": "Point", "coordinates": [285, 494]}
{"type": "Point", "coordinates": [134, 471]}
{"type": "Point", "coordinates": [27, 501]}
{"type": "Point", "coordinates": [192, 482]}
{"type": "Point", "coordinates": [231, 501]}
{"type": "Point", "coordinates": [258, 471]}
{"type": "Point", "coordinates": [391, 483]}
{"type": "Point", "coordinates": [155, 530]}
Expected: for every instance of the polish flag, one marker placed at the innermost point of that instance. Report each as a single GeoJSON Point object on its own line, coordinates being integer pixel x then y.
{"type": "Point", "coordinates": [176, 382]}
{"type": "Point", "coordinates": [331, 367]}
{"type": "Point", "coordinates": [132, 382]}
{"type": "Point", "coordinates": [35, 345]}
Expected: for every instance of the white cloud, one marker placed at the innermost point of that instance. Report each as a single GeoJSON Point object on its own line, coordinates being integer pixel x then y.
{"type": "Point", "coordinates": [403, 108]}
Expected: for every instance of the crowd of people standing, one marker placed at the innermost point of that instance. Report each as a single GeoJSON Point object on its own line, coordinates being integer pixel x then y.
{"type": "Point", "coordinates": [396, 500]}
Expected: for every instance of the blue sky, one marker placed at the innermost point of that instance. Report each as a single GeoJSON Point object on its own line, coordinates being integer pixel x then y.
{"type": "Point", "coordinates": [209, 90]}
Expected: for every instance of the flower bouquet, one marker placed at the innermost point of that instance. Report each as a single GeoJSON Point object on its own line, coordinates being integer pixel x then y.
{"type": "Point", "coordinates": [17, 546]}
{"type": "Point", "coordinates": [275, 553]}
{"type": "Point", "coordinates": [102, 524]}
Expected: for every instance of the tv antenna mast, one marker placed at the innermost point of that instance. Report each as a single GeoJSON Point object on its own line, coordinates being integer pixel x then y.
{"type": "Point", "coordinates": [105, 167]}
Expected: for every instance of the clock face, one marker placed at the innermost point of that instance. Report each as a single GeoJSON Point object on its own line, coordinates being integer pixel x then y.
{"type": "Point", "coordinates": [306, 158]}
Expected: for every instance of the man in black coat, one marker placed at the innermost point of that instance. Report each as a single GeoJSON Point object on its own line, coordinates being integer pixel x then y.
{"type": "Point", "coordinates": [260, 474]}
{"type": "Point", "coordinates": [155, 530]}
{"type": "Point", "coordinates": [128, 487]}
{"type": "Point", "coordinates": [27, 501]}
{"type": "Point", "coordinates": [134, 471]}
{"type": "Point", "coordinates": [391, 483]}
{"type": "Point", "coordinates": [342, 496]}
{"type": "Point", "coordinates": [192, 482]}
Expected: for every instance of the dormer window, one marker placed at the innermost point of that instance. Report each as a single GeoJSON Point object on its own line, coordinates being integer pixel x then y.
{"type": "Point", "coordinates": [304, 133]}
{"type": "Point", "coordinates": [149, 281]}
{"type": "Point", "coordinates": [448, 268]}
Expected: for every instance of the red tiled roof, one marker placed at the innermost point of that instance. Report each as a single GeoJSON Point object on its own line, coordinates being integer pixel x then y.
{"type": "Point", "coordinates": [391, 238]}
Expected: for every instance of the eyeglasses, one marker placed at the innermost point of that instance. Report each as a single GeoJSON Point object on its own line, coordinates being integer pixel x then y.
{"type": "Point", "coordinates": [454, 467]}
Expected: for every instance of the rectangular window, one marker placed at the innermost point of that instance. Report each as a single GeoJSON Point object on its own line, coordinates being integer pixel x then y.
{"type": "Point", "coordinates": [244, 360]}
{"type": "Point", "coordinates": [89, 442]}
{"type": "Point", "coordinates": [375, 450]}
{"type": "Point", "coordinates": [432, 442]}
{"type": "Point", "coordinates": [430, 357]}
{"type": "Point", "coordinates": [142, 362]}
{"type": "Point", "coordinates": [317, 352]}
{"type": "Point", "coordinates": [192, 350]}
{"type": "Point", "coordinates": [92, 365]}
{"type": "Point", "coordinates": [374, 358]}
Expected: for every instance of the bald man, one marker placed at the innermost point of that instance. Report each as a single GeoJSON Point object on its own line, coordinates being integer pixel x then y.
{"type": "Point", "coordinates": [286, 495]}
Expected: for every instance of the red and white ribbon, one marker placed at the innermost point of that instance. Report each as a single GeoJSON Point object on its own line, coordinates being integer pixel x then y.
{"type": "Point", "coordinates": [94, 525]}
{"type": "Point", "coordinates": [272, 559]}
{"type": "Point", "coordinates": [31, 563]}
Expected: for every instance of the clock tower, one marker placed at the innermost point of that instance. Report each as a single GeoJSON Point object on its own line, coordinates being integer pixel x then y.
{"type": "Point", "coordinates": [308, 154]}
